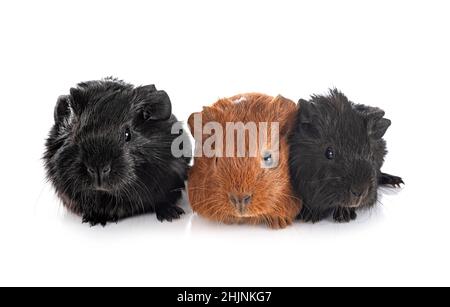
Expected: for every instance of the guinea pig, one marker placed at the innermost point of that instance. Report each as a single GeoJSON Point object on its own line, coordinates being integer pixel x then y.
{"type": "Point", "coordinates": [243, 180]}
{"type": "Point", "coordinates": [336, 154]}
{"type": "Point", "coordinates": [108, 154]}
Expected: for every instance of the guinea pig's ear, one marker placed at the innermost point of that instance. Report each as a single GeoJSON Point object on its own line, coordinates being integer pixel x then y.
{"type": "Point", "coordinates": [302, 102]}
{"type": "Point", "coordinates": [62, 108]}
{"type": "Point", "coordinates": [378, 127]}
{"type": "Point", "coordinates": [307, 119]}
{"type": "Point", "coordinates": [368, 111]}
{"type": "Point", "coordinates": [153, 105]}
{"type": "Point", "coordinates": [198, 121]}
{"type": "Point", "coordinates": [286, 111]}
{"type": "Point", "coordinates": [79, 100]}
{"type": "Point", "coordinates": [147, 89]}
{"type": "Point", "coordinates": [305, 108]}
{"type": "Point", "coordinates": [191, 121]}
{"type": "Point", "coordinates": [377, 124]}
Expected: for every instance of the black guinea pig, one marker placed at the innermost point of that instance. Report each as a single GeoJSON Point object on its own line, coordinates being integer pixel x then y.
{"type": "Point", "coordinates": [336, 154]}
{"type": "Point", "coordinates": [109, 153]}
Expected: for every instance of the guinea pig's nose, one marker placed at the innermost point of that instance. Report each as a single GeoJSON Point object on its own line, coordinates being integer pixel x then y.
{"type": "Point", "coordinates": [106, 170]}
{"type": "Point", "coordinates": [240, 201]}
{"type": "Point", "coordinates": [356, 192]}
{"type": "Point", "coordinates": [91, 171]}
{"type": "Point", "coordinates": [102, 171]}
{"type": "Point", "coordinates": [98, 174]}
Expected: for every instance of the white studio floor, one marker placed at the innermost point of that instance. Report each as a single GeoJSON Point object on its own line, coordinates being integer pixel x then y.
{"type": "Point", "coordinates": [398, 243]}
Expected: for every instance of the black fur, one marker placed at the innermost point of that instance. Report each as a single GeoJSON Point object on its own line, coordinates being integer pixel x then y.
{"type": "Point", "coordinates": [109, 152]}
{"type": "Point", "coordinates": [336, 154]}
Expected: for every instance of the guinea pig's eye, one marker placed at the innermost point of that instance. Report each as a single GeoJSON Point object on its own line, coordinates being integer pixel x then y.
{"type": "Point", "coordinates": [127, 135]}
{"type": "Point", "coordinates": [329, 153]}
{"type": "Point", "coordinates": [268, 159]}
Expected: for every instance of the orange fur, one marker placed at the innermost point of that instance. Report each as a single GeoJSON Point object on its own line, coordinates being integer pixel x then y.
{"type": "Point", "coordinates": [211, 180]}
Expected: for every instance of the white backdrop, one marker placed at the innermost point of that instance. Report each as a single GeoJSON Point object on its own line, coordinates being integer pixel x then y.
{"type": "Point", "coordinates": [392, 54]}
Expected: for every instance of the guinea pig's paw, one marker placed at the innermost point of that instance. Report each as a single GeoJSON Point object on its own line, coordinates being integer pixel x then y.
{"type": "Point", "coordinates": [277, 223]}
{"type": "Point", "coordinates": [229, 221]}
{"type": "Point", "coordinates": [306, 215]}
{"type": "Point", "coordinates": [168, 212]}
{"type": "Point", "coordinates": [392, 180]}
{"type": "Point", "coordinates": [94, 220]}
{"type": "Point", "coordinates": [344, 215]}
{"type": "Point", "coordinates": [99, 218]}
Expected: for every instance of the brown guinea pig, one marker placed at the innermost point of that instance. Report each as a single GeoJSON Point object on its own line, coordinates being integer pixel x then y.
{"type": "Point", "coordinates": [240, 174]}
